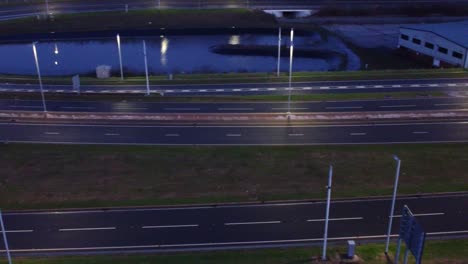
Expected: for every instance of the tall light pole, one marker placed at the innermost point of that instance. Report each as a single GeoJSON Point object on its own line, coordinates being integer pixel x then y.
{"type": "Point", "coordinates": [47, 7]}
{"type": "Point", "coordinates": [395, 187]}
{"type": "Point", "coordinates": [146, 69]}
{"type": "Point", "coordinates": [291, 50]}
{"type": "Point", "coordinates": [120, 57]}
{"type": "Point", "coordinates": [327, 214]}
{"type": "Point", "coordinates": [279, 54]}
{"type": "Point", "coordinates": [7, 249]}
{"type": "Point", "coordinates": [39, 76]}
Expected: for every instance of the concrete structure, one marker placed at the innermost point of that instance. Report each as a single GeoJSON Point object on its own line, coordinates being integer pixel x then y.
{"type": "Point", "coordinates": [446, 42]}
{"type": "Point", "coordinates": [103, 71]}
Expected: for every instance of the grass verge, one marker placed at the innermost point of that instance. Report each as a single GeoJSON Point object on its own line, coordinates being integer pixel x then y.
{"type": "Point", "coordinates": [45, 176]}
{"type": "Point", "coordinates": [451, 251]}
{"type": "Point", "coordinates": [247, 98]}
{"type": "Point", "coordinates": [250, 77]}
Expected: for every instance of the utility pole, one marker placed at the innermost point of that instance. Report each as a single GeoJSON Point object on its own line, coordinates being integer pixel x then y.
{"type": "Point", "coordinates": [327, 214]}
{"type": "Point", "coordinates": [279, 54]}
{"type": "Point", "coordinates": [146, 69]}
{"type": "Point", "coordinates": [36, 59]}
{"type": "Point", "coordinates": [7, 249]}
{"type": "Point", "coordinates": [120, 57]}
{"type": "Point", "coordinates": [395, 187]}
{"type": "Point", "coordinates": [291, 50]}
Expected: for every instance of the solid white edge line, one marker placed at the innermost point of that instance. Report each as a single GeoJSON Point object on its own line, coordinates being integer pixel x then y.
{"type": "Point", "coordinates": [344, 107]}
{"type": "Point", "coordinates": [395, 106]}
{"type": "Point", "coordinates": [295, 135]}
{"type": "Point", "coordinates": [111, 134]}
{"type": "Point", "coordinates": [52, 133]}
{"type": "Point", "coordinates": [19, 231]}
{"type": "Point", "coordinates": [424, 214]}
{"type": "Point", "coordinates": [168, 226]}
{"type": "Point", "coordinates": [86, 229]}
{"type": "Point", "coordinates": [252, 223]}
{"type": "Point", "coordinates": [358, 134]}
{"type": "Point", "coordinates": [335, 219]}
{"type": "Point", "coordinates": [172, 135]}
{"type": "Point", "coordinates": [233, 135]}
{"type": "Point", "coordinates": [420, 132]}
{"type": "Point", "coordinates": [235, 109]}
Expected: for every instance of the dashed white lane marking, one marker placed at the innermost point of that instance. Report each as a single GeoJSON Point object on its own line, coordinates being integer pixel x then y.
{"type": "Point", "coordinates": [59, 91]}
{"type": "Point", "coordinates": [344, 107]}
{"type": "Point", "coordinates": [289, 89]}
{"type": "Point", "coordinates": [219, 90]}
{"type": "Point", "coordinates": [24, 106]}
{"type": "Point", "coordinates": [172, 135]}
{"type": "Point", "coordinates": [235, 109]}
{"type": "Point", "coordinates": [396, 106]}
{"type": "Point", "coordinates": [433, 85]}
{"type": "Point", "coordinates": [361, 86]}
{"type": "Point", "coordinates": [426, 214]}
{"type": "Point", "coordinates": [324, 87]}
{"type": "Point", "coordinates": [396, 86]}
{"type": "Point", "coordinates": [420, 132]}
{"type": "Point", "coordinates": [358, 134]}
{"type": "Point", "coordinates": [105, 91]}
{"type": "Point", "coordinates": [52, 133]}
{"type": "Point", "coordinates": [254, 89]}
{"type": "Point", "coordinates": [203, 90]}
{"type": "Point", "coordinates": [307, 88]}
{"type": "Point", "coordinates": [19, 231]}
{"type": "Point", "coordinates": [169, 226]}
{"type": "Point", "coordinates": [233, 135]}
{"type": "Point", "coordinates": [415, 85]}
{"type": "Point", "coordinates": [130, 108]}
{"type": "Point", "coordinates": [271, 89]}
{"type": "Point", "coordinates": [185, 91]}
{"type": "Point", "coordinates": [335, 219]}
{"type": "Point", "coordinates": [87, 229]}
{"type": "Point", "coordinates": [378, 86]}
{"type": "Point", "coordinates": [111, 134]}
{"type": "Point", "coordinates": [169, 91]}
{"type": "Point", "coordinates": [182, 109]}
{"type": "Point", "coordinates": [342, 87]}
{"type": "Point", "coordinates": [295, 135]}
{"type": "Point", "coordinates": [253, 223]}
{"type": "Point", "coordinates": [293, 108]}
{"type": "Point", "coordinates": [452, 84]}
{"type": "Point", "coordinates": [237, 90]}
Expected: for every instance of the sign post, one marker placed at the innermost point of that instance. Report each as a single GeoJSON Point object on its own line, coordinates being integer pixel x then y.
{"type": "Point", "coordinates": [412, 233]}
{"type": "Point", "coordinates": [7, 249]}
{"type": "Point", "coordinates": [76, 83]}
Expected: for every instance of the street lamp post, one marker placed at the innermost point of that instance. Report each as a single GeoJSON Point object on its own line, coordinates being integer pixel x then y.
{"type": "Point", "coordinates": [39, 76]}
{"type": "Point", "coordinates": [395, 187]}
{"type": "Point", "coordinates": [327, 214]}
{"type": "Point", "coordinates": [291, 50]}
{"type": "Point", "coordinates": [146, 69]}
{"type": "Point", "coordinates": [120, 57]}
{"type": "Point", "coordinates": [47, 7]}
{"type": "Point", "coordinates": [279, 54]}
{"type": "Point", "coordinates": [7, 249]}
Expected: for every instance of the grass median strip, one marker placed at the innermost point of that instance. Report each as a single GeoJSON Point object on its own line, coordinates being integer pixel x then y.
{"type": "Point", "coordinates": [451, 251]}
{"type": "Point", "coordinates": [45, 176]}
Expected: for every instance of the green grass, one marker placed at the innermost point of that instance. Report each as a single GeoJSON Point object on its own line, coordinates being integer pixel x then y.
{"type": "Point", "coordinates": [451, 251]}
{"type": "Point", "coordinates": [251, 77]}
{"type": "Point", "coordinates": [233, 98]}
{"type": "Point", "coordinates": [45, 176]}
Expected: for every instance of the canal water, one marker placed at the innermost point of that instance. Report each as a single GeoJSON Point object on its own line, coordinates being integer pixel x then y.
{"type": "Point", "coordinates": [166, 55]}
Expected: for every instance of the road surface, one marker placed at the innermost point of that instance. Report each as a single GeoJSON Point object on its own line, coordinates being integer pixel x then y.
{"type": "Point", "coordinates": [236, 107]}
{"type": "Point", "coordinates": [17, 8]}
{"type": "Point", "coordinates": [217, 227]}
{"type": "Point", "coordinates": [361, 86]}
{"type": "Point", "coordinates": [235, 134]}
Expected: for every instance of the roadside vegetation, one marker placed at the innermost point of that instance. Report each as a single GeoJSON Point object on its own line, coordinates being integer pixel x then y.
{"type": "Point", "coordinates": [49, 176]}
{"type": "Point", "coordinates": [435, 252]}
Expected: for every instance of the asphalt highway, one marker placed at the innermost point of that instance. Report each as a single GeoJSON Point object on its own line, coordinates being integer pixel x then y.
{"type": "Point", "coordinates": [226, 226]}
{"type": "Point", "coordinates": [235, 134]}
{"type": "Point", "coordinates": [361, 86]}
{"type": "Point", "coordinates": [17, 8]}
{"type": "Point", "coordinates": [237, 107]}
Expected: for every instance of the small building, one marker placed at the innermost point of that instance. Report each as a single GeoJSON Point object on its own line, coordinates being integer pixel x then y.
{"type": "Point", "coordinates": [103, 71]}
{"type": "Point", "coordinates": [447, 42]}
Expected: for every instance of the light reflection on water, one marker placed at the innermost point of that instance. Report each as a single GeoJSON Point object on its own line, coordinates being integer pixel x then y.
{"type": "Point", "coordinates": [166, 54]}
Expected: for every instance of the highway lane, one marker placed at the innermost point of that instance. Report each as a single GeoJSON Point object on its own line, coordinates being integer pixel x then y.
{"type": "Point", "coordinates": [359, 86]}
{"type": "Point", "coordinates": [236, 107]}
{"type": "Point", "coordinates": [226, 226]}
{"type": "Point", "coordinates": [19, 9]}
{"type": "Point", "coordinates": [239, 134]}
